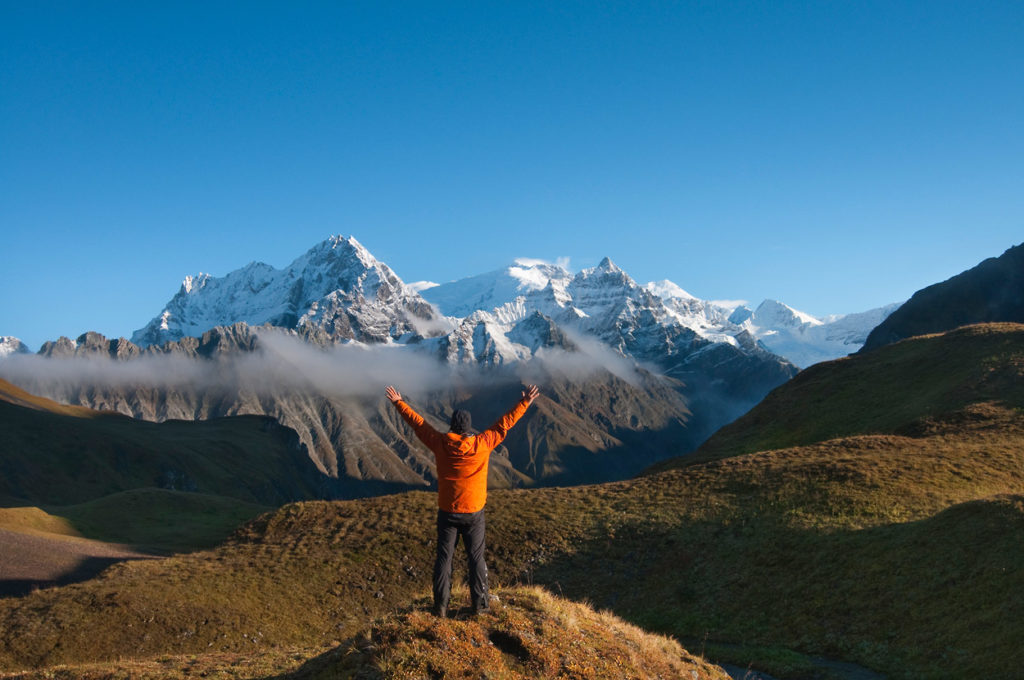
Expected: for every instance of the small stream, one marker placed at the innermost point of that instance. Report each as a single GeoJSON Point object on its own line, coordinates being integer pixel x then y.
{"type": "Point", "coordinates": [840, 669]}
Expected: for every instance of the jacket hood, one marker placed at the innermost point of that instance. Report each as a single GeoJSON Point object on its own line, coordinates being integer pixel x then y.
{"type": "Point", "coordinates": [461, 423]}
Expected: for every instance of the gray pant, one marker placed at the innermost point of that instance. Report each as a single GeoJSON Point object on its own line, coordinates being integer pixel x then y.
{"type": "Point", "coordinates": [469, 525]}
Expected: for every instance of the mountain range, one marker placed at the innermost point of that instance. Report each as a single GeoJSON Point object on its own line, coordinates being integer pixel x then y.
{"type": "Point", "coordinates": [630, 377]}
{"type": "Point", "coordinates": [584, 300]}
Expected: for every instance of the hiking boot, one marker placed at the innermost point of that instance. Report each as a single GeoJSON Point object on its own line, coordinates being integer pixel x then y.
{"type": "Point", "coordinates": [482, 607]}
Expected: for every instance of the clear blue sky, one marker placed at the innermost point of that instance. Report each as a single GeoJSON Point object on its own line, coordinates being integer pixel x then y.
{"type": "Point", "coordinates": [834, 155]}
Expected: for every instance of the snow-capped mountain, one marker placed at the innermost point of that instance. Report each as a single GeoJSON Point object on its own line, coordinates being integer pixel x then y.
{"type": "Point", "coordinates": [604, 301]}
{"type": "Point", "coordinates": [337, 287]}
{"type": "Point", "coordinates": [486, 292]}
{"type": "Point", "coordinates": [11, 345]}
{"type": "Point", "coordinates": [805, 339]}
{"type": "Point", "coordinates": [540, 309]}
{"type": "Point", "coordinates": [601, 302]}
{"type": "Point", "coordinates": [637, 371]}
{"type": "Point", "coordinates": [340, 292]}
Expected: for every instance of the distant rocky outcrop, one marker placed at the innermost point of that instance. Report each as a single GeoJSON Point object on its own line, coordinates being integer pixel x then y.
{"type": "Point", "coordinates": [990, 292]}
{"type": "Point", "coordinates": [10, 345]}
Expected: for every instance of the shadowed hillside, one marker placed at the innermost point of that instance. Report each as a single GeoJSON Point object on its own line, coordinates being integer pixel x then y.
{"type": "Point", "coordinates": [991, 292]}
{"type": "Point", "coordinates": [61, 455]}
{"type": "Point", "coordinates": [906, 388]}
{"type": "Point", "coordinates": [898, 551]}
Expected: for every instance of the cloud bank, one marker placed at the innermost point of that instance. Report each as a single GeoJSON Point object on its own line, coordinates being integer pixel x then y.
{"type": "Point", "coordinates": [284, 362]}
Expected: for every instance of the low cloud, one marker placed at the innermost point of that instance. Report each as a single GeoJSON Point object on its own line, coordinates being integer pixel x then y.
{"type": "Point", "coordinates": [280, 363]}
{"type": "Point", "coordinates": [590, 357]}
{"type": "Point", "coordinates": [284, 362]}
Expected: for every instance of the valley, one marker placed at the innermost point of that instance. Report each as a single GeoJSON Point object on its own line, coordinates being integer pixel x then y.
{"type": "Point", "coordinates": [894, 544]}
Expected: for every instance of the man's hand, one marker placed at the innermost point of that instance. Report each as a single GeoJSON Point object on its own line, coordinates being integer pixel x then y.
{"type": "Point", "coordinates": [530, 393]}
{"type": "Point", "coordinates": [392, 394]}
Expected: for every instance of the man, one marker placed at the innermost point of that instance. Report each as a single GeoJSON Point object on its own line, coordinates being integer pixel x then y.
{"type": "Point", "coordinates": [461, 491]}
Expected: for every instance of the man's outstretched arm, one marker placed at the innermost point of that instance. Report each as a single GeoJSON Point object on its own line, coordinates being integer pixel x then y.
{"type": "Point", "coordinates": [427, 434]}
{"type": "Point", "coordinates": [496, 432]}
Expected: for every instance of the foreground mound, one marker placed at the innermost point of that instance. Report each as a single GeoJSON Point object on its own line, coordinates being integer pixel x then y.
{"type": "Point", "coordinates": [528, 634]}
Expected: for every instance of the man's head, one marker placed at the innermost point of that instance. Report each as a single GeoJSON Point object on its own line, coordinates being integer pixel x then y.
{"type": "Point", "coordinates": [461, 422]}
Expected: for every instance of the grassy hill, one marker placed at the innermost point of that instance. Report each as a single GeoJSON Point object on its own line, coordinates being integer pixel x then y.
{"type": "Point", "coordinates": [892, 542]}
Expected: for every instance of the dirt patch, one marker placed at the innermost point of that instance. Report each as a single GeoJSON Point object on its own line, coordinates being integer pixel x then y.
{"type": "Point", "coordinates": [30, 561]}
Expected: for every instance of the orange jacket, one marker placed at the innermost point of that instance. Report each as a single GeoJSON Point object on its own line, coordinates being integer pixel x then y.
{"type": "Point", "coordinates": [461, 459]}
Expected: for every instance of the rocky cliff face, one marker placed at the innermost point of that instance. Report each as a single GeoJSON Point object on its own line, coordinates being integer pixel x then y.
{"type": "Point", "coordinates": [992, 291]}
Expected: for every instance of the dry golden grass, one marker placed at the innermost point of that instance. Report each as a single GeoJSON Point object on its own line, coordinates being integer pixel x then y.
{"type": "Point", "coordinates": [15, 395]}
{"type": "Point", "coordinates": [529, 634]}
{"type": "Point", "coordinates": [31, 520]}
{"type": "Point", "coordinates": [215, 666]}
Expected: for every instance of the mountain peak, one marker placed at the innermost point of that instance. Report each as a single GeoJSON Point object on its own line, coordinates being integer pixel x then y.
{"type": "Point", "coordinates": [11, 345]}
{"type": "Point", "coordinates": [772, 313]}
{"type": "Point", "coordinates": [491, 290]}
{"type": "Point", "coordinates": [196, 282]}
{"type": "Point", "coordinates": [606, 269]}
{"type": "Point", "coordinates": [668, 290]}
{"type": "Point", "coordinates": [339, 248]}
{"type": "Point", "coordinates": [336, 285]}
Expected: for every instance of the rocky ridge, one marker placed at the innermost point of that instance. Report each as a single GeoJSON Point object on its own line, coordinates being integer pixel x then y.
{"type": "Point", "coordinates": [590, 426]}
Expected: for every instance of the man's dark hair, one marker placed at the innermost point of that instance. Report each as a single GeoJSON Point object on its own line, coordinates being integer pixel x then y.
{"type": "Point", "coordinates": [461, 422]}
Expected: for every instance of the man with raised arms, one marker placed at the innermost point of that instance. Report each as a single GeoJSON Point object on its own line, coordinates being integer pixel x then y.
{"type": "Point", "coordinates": [461, 490]}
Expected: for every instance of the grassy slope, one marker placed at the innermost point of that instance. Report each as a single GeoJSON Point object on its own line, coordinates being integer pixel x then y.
{"type": "Point", "coordinates": [30, 520]}
{"type": "Point", "coordinates": [13, 394]}
{"type": "Point", "coordinates": [902, 553]}
{"type": "Point", "coordinates": [155, 520]}
{"type": "Point", "coordinates": [159, 520]}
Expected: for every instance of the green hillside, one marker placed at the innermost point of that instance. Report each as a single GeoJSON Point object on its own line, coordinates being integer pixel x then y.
{"type": "Point", "coordinates": [159, 520]}
{"type": "Point", "coordinates": [898, 550]}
